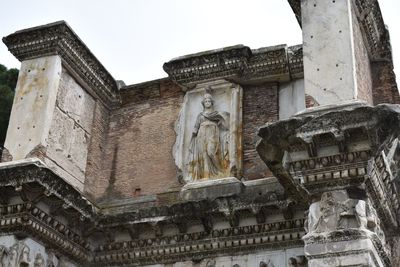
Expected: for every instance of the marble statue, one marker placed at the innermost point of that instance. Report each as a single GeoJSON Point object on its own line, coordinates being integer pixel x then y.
{"type": "Point", "coordinates": [209, 152]}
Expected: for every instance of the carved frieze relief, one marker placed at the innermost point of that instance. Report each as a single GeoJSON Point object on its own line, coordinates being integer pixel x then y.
{"type": "Point", "coordinates": [336, 211]}
{"type": "Point", "coordinates": [202, 244]}
{"type": "Point", "coordinates": [238, 63]}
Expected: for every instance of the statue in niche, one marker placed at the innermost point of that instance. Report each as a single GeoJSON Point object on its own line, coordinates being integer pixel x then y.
{"type": "Point", "coordinates": [208, 149]}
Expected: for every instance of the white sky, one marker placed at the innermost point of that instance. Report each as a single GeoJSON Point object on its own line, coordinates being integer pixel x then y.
{"type": "Point", "coordinates": [133, 38]}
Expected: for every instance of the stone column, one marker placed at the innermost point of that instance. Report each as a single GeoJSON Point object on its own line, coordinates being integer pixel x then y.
{"type": "Point", "coordinates": [336, 64]}
{"type": "Point", "coordinates": [33, 107]}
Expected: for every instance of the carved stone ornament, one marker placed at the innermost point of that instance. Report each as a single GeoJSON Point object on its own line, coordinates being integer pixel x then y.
{"type": "Point", "coordinates": [336, 211]}
{"type": "Point", "coordinates": [39, 261]}
{"type": "Point", "coordinates": [208, 133]}
{"type": "Point", "coordinates": [239, 64]}
{"type": "Point", "coordinates": [3, 256]}
{"type": "Point", "coordinates": [19, 255]}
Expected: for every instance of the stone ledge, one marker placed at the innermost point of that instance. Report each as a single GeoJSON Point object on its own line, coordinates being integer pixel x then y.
{"type": "Point", "coordinates": [17, 173]}
{"type": "Point", "coordinates": [211, 189]}
{"type": "Point", "coordinates": [351, 246]}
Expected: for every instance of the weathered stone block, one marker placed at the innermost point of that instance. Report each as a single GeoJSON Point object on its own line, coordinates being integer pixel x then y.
{"type": "Point", "coordinates": [211, 189]}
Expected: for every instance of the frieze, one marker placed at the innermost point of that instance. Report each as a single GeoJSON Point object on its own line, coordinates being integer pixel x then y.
{"type": "Point", "coordinates": [59, 39]}
{"type": "Point", "coordinates": [25, 218]}
{"type": "Point", "coordinates": [201, 244]}
{"type": "Point", "coordinates": [375, 34]}
{"type": "Point", "coordinates": [203, 66]}
{"type": "Point", "coordinates": [267, 63]}
{"type": "Point", "coordinates": [331, 171]}
{"type": "Point", "coordinates": [383, 192]}
{"type": "Point", "coordinates": [295, 57]}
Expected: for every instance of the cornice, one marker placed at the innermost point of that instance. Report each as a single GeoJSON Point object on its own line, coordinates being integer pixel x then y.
{"type": "Point", "coordinates": [238, 63]}
{"type": "Point", "coordinates": [26, 219]}
{"type": "Point", "coordinates": [229, 207]}
{"type": "Point", "coordinates": [59, 39]}
{"type": "Point", "coordinates": [16, 174]}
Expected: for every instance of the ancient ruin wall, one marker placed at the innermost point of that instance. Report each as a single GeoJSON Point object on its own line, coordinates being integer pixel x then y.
{"type": "Point", "coordinates": [70, 131]}
{"type": "Point", "coordinates": [138, 159]}
{"type": "Point", "coordinates": [384, 83]}
{"type": "Point", "coordinates": [97, 145]}
{"type": "Point", "coordinates": [138, 155]}
{"type": "Point", "coordinates": [260, 105]}
{"type": "Point", "coordinates": [363, 65]}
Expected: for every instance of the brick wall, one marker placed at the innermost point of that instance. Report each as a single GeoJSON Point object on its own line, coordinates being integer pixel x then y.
{"type": "Point", "coordinates": [384, 83]}
{"type": "Point", "coordinates": [96, 180]}
{"type": "Point", "coordinates": [260, 105]}
{"type": "Point", "coordinates": [138, 155]}
{"type": "Point", "coordinates": [131, 152]}
{"type": "Point", "coordinates": [363, 67]}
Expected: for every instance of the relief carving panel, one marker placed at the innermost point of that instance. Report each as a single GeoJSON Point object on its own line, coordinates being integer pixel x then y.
{"type": "Point", "coordinates": [336, 211]}
{"type": "Point", "coordinates": [208, 142]}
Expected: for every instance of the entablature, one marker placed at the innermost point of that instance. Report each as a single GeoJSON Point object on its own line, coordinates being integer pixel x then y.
{"type": "Point", "coordinates": [351, 149]}
{"type": "Point", "coordinates": [239, 64]}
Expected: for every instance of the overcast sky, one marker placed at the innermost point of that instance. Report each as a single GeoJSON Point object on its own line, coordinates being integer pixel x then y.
{"type": "Point", "coordinates": [134, 38]}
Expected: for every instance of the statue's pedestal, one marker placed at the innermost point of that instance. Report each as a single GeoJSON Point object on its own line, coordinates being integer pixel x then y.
{"type": "Point", "coordinates": [211, 189]}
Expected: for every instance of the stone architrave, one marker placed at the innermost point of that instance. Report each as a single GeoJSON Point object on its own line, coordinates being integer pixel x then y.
{"type": "Point", "coordinates": [208, 142]}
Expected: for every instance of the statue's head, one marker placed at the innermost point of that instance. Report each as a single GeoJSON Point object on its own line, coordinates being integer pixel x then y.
{"type": "Point", "coordinates": [207, 101]}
